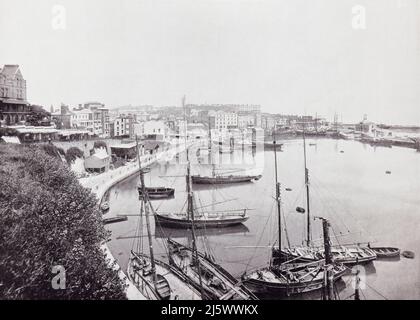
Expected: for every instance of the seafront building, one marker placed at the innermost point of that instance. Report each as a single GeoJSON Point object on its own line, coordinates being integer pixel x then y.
{"type": "Point", "coordinates": [14, 108]}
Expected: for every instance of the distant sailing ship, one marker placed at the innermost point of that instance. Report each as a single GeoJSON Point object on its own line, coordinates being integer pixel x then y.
{"type": "Point", "coordinates": [155, 279]}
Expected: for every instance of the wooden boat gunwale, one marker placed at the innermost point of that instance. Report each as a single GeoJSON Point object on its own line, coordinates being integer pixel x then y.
{"type": "Point", "coordinates": [186, 223]}
{"type": "Point", "coordinates": [162, 264]}
{"type": "Point", "coordinates": [235, 282]}
{"type": "Point", "coordinates": [386, 252]}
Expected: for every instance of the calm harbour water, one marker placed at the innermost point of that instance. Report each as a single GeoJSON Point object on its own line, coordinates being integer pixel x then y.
{"type": "Point", "coordinates": [349, 186]}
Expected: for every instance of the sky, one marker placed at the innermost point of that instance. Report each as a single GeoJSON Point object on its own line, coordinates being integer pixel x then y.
{"type": "Point", "coordinates": [291, 57]}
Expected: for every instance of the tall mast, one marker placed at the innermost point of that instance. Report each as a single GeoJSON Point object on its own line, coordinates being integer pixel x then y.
{"type": "Point", "coordinates": [308, 222]}
{"type": "Point", "coordinates": [190, 206]}
{"type": "Point", "coordinates": [329, 289]}
{"type": "Point", "coordinates": [277, 194]}
{"type": "Point", "coordinates": [209, 142]}
{"type": "Point", "coordinates": [146, 210]}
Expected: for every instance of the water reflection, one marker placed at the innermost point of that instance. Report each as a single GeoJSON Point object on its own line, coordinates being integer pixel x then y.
{"type": "Point", "coordinates": [351, 189]}
{"type": "Point", "coordinates": [164, 233]}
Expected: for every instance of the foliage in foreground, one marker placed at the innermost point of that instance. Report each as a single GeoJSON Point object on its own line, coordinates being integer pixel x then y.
{"type": "Point", "coordinates": [73, 153]}
{"type": "Point", "coordinates": [46, 219]}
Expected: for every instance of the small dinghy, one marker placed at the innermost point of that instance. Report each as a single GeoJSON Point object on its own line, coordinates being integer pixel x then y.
{"type": "Point", "coordinates": [408, 254]}
{"type": "Point", "coordinates": [386, 252]}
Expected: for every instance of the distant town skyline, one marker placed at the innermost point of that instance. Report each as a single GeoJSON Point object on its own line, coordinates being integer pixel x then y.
{"type": "Point", "coordinates": [290, 57]}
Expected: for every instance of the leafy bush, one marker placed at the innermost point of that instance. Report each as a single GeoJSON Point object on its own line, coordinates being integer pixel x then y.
{"type": "Point", "coordinates": [47, 219]}
{"type": "Point", "coordinates": [8, 132]}
{"type": "Point", "coordinates": [52, 150]}
{"type": "Point", "coordinates": [73, 153]}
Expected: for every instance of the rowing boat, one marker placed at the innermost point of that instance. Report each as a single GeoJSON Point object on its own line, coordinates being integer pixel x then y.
{"type": "Point", "coordinates": [386, 252]}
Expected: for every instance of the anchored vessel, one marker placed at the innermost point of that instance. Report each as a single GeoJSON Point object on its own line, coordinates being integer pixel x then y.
{"type": "Point", "coordinates": [346, 254]}
{"type": "Point", "coordinates": [386, 252]}
{"type": "Point", "coordinates": [155, 279]}
{"type": "Point", "coordinates": [216, 178]}
{"type": "Point", "coordinates": [214, 219]}
{"type": "Point", "coordinates": [221, 179]}
{"type": "Point", "coordinates": [215, 282]}
{"type": "Point", "coordinates": [291, 279]}
{"type": "Point", "coordinates": [157, 192]}
{"type": "Point", "coordinates": [288, 277]}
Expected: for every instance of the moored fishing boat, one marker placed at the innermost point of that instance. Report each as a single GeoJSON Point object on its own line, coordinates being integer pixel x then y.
{"type": "Point", "coordinates": [386, 252]}
{"type": "Point", "coordinates": [287, 281]}
{"type": "Point", "coordinates": [203, 220]}
{"type": "Point", "coordinates": [157, 192]}
{"type": "Point", "coordinates": [161, 283]}
{"type": "Point", "coordinates": [224, 179]}
{"type": "Point", "coordinates": [205, 274]}
{"type": "Point", "coordinates": [341, 254]}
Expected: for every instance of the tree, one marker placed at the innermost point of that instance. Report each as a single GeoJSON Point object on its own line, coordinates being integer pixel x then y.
{"type": "Point", "coordinates": [48, 219]}
{"type": "Point", "coordinates": [100, 144]}
{"type": "Point", "coordinates": [73, 153]}
{"type": "Point", "coordinates": [38, 116]}
{"type": "Point", "coordinates": [53, 151]}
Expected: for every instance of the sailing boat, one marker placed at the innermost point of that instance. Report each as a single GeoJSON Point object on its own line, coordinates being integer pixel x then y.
{"type": "Point", "coordinates": [155, 279]}
{"type": "Point", "coordinates": [290, 278]}
{"type": "Point", "coordinates": [216, 178]}
{"type": "Point", "coordinates": [213, 281]}
{"type": "Point", "coordinates": [349, 254]}
{"type": "Point", "coordinates": [214, 219]}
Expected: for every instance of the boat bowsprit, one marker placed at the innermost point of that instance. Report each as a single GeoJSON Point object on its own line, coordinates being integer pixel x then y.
{"type": "Point", "coordinates": [157, 192]}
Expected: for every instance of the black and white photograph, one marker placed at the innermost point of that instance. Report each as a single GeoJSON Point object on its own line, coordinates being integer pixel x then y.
{"type": "Point", "coordinates": [209, 150]}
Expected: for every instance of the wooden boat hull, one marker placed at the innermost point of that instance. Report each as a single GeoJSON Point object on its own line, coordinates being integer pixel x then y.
{"type": "Point", "coordinates": [228, 287]}
{"type": "Point", "coordinates": [223, 179]}
{"type": "Point", "coordinates": [273, 287]}
{"type": "Point", "coordinates": [183, 223]}
{"type": "Point", "coordinates": [180, 288]}
{"type": "Point", "coordinates": [360, 255]}
{"type": "Point", "coordinates": [386, 252]}
{"type": "Point", "coordinates": [114, 219]}
{"type": "Point", "coordinates": [158, 193]}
